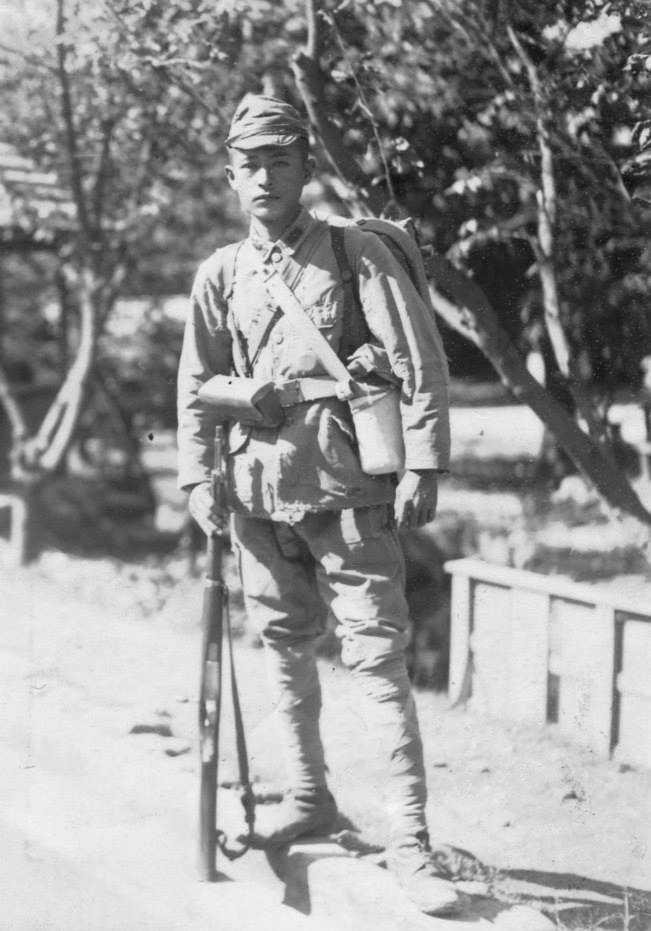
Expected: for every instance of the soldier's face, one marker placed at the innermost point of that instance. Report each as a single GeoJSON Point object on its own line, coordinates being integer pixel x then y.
{"type": "Point", "coordinates": [269, 181]}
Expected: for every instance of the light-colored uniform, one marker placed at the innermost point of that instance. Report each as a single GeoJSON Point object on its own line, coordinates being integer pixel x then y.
{"type": "Point", "coordinates": [308, 525]}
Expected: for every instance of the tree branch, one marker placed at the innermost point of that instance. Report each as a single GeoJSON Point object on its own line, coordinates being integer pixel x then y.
{"type": "Point", "coordinates": [13, 411]}
{"type": "Point", "coordinates": [363, 103]}
{"type": "Point", "coordinates": [47, 448]}
{"type": "Point", "coordinates": [111, 288]}
{"type": "Point", "coordinates": [464, 307]}
{"type": "Point", "coordinates": [35, 61]}
{"type": "Point", "coordinates": [310, 81]}
{"type": "Point", "coordinates": [545, 247]}
{"type": "Point", "coordinates": [314, 29]}
{"type": "Point", "coordinates": [102, 171]}
{"type": "Point", "coordinates": [76, 171]}
{"type": "Point", "coordinates": [478, 36]}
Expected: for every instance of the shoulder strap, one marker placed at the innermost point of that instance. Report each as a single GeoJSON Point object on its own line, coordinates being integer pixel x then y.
{"type": "Point", "coordinates": [355, 331]}
{"type": "Point", "coordinates": [241, 360]}
{"type": "Point", "coordinates": [286, 299]}
{"type": "Point", "coordinates": [229, 267]}
{"type": "Point", "coordinates": [345, 271]}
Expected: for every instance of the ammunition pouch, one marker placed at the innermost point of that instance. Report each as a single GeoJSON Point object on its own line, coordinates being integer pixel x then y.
{"type": "Point", "coordinates": [250, 401]}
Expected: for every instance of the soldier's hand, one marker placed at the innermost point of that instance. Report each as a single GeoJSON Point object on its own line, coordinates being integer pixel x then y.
{"type": "Point", "coordinates": [416, 498]}
{"type": "Point", "coordinates": [203, 509]}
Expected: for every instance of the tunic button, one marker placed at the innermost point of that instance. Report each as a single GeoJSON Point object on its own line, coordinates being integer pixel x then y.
{"type": "Point", "coordinates": [276, 257]}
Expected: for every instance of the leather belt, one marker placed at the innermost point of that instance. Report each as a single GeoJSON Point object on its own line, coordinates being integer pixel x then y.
{"type": "Point", "coordinates": [310, 388]}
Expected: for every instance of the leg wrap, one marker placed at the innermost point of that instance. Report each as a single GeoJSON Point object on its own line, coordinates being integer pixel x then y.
{"type": "Point", "coordinates": [390, 713]}
{"type": "Point", "coordinates": [296, 692]}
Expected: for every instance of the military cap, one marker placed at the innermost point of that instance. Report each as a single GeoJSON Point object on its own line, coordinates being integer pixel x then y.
{"type": "Point", "coordinates": [261, 120]}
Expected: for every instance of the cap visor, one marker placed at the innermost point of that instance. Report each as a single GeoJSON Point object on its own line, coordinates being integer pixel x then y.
{"type": "Point", "coordinates": [262, 139]}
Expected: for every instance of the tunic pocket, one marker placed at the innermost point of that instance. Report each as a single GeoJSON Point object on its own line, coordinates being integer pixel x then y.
{"type": "Point", "coordinates": [359, 524]}
{"type": "Point", "coordinates": [296, 355]}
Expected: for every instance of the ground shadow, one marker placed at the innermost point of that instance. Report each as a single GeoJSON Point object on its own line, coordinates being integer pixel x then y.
{"type": "Point", "coordinates": [578, 902]}
{"type": "Point", "coordinates": [297, 892]}
{"type": "Point", "coordinates": [572, 902]}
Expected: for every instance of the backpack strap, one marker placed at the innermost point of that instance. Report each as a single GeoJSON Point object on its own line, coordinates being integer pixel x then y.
{"type": "Point", "coordinates": [241, 362]}
{"type": "Point", "coordinates": [355, 331]}
{"type": "Point", "coordinates": [229, 266]}
{"type": "Point", "coordinates": [400, 238]}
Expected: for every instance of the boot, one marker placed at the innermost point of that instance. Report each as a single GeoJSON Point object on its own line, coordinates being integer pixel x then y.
{"type": "Point", "coordinates": [424, 881]}
{"type": "Point", "coordinates": [314, 813]}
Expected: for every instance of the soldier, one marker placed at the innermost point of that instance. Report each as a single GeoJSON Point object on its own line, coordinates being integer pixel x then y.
{"type": "Point", "coordinates": [308, 525]}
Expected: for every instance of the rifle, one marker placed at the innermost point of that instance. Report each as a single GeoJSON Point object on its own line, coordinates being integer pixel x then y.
{"type": "Point", "coordinates": [214, 612]}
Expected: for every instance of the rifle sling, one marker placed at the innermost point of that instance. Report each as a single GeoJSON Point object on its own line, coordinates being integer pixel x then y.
{"type": "Point", "coordinates": [283, 295]}
{"type": "Point", "coordinates": [247, 794]}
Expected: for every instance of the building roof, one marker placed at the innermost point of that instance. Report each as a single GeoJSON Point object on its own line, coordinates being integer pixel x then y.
{"type": "Point", "coordinates": [34, 206]}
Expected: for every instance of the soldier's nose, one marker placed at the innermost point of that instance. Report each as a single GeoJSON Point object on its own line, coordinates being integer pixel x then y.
{"type": "Point", "coordinates": [264, 177]}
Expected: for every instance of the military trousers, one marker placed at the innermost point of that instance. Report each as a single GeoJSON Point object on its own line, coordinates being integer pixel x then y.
{"type": "Point", "coordinates": [350, 561]}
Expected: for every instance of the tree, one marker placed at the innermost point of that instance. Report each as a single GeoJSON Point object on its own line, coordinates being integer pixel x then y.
{"type": "Point", "coordinates": [502, 80]}
{"type": "Point", "coordinates": [94, 93]}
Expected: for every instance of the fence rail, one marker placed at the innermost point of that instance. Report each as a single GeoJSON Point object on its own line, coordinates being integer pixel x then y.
{"type": "Point", "coordinates": [532, 648]}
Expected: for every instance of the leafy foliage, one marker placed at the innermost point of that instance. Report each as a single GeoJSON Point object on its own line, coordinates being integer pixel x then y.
{"type": "Point", "coordinates": [450, 100]}
{"type": "Point", "coordinates": [149, 91]}
{"type": "Point", "coordinates": [434, 100]}
{"type": "Point", "coordinates": [431, 95]}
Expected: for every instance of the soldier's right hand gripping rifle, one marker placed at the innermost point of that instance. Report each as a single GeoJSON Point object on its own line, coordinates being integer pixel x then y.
{"type": "Point", "coordinates": [216, 617]}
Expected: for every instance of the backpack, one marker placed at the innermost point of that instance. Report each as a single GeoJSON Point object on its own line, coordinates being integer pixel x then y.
{"type": "Point", "coordinates": [399, 237]}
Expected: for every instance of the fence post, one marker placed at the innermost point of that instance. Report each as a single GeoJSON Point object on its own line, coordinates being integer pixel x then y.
{"type": "Point", "coordinates": [461, 625]}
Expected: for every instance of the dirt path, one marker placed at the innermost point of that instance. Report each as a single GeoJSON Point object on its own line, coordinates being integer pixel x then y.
{"type": "Point", "coordinates": [98, 823]}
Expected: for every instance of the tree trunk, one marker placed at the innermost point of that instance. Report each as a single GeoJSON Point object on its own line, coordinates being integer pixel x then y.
{"type": "Point", "coordinates": [34, 458]}
{"type": "Point", "coordinates": [41, 454]}
{"type": "Point", "coordinates": [545, 248]}
{"type": "Point", "coordinates": [462, 304]}
{"type": "Point", "coordinates": [64, 320]}
{"type": "Point", "coordinates": [135, 472]}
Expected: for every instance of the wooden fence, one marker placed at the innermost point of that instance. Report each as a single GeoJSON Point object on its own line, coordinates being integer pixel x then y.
{"type": "Point", "coordinates": [537, 649]}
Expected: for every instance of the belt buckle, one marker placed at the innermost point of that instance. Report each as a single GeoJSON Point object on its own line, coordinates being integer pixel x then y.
{"type": "Point", "coordinates": [290, 392]}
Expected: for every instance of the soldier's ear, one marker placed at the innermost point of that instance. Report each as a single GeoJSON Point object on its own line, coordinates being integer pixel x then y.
{"type": "Point", "coordinates": [230, 174]}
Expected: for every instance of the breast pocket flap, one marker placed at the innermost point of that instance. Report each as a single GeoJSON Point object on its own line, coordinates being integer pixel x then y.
{"type": "Point", "coordinates": [323, 315]}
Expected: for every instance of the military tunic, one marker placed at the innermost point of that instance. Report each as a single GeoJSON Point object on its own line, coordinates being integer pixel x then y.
{"type": "Point", "coordinates": [309, 463]}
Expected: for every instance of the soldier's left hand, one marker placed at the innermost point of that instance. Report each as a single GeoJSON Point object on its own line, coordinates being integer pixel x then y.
{"type": "Point", "coordinates": [416, 498]}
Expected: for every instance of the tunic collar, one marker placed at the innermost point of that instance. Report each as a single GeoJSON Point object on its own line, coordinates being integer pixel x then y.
{"type": "Point", "coordinates": [289, 241]}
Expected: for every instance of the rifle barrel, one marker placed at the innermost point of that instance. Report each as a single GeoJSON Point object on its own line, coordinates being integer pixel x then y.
{"type": "Point", "coordinates": [210, 692]}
